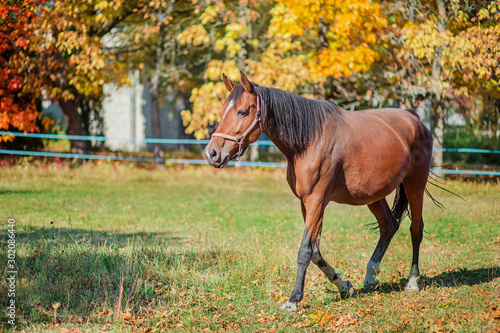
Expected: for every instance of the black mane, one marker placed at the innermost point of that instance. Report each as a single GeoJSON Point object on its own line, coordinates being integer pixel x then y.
{"type": "Point", "coordinates": [295, 120]}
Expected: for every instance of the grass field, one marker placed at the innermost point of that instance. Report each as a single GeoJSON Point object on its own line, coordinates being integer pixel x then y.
{"type": "Point", "coordinates": [198, 249]}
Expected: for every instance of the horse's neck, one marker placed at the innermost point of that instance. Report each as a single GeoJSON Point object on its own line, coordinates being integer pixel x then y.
{"type": "Point", "coordinates": [274, 137]}
{"type": "Point", "coordinates": [330, 126]}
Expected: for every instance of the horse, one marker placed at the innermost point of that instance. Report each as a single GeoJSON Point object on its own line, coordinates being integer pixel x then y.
{"type": "Point", "coordinates": [349, 157]}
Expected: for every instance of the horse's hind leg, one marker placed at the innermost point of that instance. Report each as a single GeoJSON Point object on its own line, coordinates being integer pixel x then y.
{"type": "Point", "coordinates": [388, 226]}
{"type": "Point", "coordinates": [417, 232]}
{"type": "Point", "coordinates": [415, 193]}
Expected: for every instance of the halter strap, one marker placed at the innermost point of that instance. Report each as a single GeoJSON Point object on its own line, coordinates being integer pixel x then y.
{"type": "Point", "coordinates": [240, 139]}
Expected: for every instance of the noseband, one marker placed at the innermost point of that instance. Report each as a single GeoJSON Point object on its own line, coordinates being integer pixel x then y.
{"type": "Point", "coordinates": [240, 139]}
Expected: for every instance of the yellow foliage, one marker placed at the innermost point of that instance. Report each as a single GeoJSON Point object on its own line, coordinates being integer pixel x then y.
{"type": "Point", "coordinates": [341, 33]}
{"type": "Point", "coordinates": [211, 12]}
{"type": "Point", "coordinates": [207, 101]}
{"type": "Point", "coordinates": [195, 35]}
{"type": "Point", "coordinates": [307, 42]}
{"type": "Point", "coordinates": [216, 68]}
{"type": "Point", "coordinates": [466, 54]}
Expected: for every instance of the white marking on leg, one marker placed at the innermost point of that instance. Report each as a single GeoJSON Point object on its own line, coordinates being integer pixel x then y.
{"type": "Point", "coordinates": [412, 285]}
{"type": "Point", "coordinates": [289, 306]}
{"type": "Point", "coordinates": [372, 269]}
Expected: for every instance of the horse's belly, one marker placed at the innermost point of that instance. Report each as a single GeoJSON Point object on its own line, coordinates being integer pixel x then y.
{"type": "Point", "coordinates": [363, 195]}
{"type": "Point", "coordinates": [368, 180]}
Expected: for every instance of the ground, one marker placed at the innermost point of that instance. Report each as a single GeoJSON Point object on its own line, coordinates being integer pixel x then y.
{"type": "Point", "coordinates": [123, 248]}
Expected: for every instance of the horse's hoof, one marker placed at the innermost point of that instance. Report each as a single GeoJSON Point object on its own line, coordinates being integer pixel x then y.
{"type": "Point", "coordinates": [411, 289]}
{"type": "Point", "coordinates": [412, 286]}
{"type": "Point", "coordinates": [289, 306]}
{"type": "Point", "coordinates": [372, 286]}
{"type": "Point", "coordinates": [347, 290]}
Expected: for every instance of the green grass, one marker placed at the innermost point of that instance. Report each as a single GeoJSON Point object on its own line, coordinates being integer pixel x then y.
{"type": "Point", "coordinates": [198, 249]}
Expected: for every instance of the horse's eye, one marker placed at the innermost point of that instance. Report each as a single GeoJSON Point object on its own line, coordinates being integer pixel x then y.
{"type": "Point", "coordinates": [242, 113]}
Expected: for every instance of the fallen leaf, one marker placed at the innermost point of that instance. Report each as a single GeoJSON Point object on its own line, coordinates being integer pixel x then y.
{"type": "Point", "coordinates": [127, 315]}
{"type": "Point", "coordinates": [39, 307]}
{"type": "Point", "coordinates": [445, 304]}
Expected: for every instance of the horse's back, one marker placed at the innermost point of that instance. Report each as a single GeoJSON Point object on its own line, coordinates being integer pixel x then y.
{"type": "Point", "coordinates": [399, 122]}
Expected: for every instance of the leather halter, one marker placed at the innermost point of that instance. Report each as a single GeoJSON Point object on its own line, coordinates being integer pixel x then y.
{"type": "Point", "coordinates": [240, 139]}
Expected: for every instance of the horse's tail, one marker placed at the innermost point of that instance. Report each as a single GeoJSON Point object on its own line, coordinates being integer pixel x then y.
{"type": "Point", "coordinates": [413, 112]}
{"type": "Point", "coordinates": [400, 207]}
{"type": "Point", "coordinates": [434, 181]}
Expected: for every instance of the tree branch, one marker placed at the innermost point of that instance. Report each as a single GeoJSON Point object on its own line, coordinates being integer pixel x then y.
{"type": "Point", "coordinates": [106, 29]}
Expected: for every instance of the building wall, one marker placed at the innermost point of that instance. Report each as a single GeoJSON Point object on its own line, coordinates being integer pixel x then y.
{"type": "Point", "coordinates": [124, 116]}
{"type": "Point", "coordinates": [127, 116]}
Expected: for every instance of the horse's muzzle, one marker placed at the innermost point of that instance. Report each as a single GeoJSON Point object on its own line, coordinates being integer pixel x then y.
{"type": "Point", "coordinates": [217, 158]}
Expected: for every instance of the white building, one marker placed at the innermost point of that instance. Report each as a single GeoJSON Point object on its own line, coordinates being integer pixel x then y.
{"type": "Point", "coordinates": [127, 116]}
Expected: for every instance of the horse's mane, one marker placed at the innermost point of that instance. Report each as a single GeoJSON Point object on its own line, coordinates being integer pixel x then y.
{"type": "Point", "coordinates": [295, 120]}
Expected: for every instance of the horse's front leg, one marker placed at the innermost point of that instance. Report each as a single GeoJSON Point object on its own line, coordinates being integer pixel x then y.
{"type": "Point", "coordinates": [346, 289]}
{"type": "Point", "coordinates": [309, 250]}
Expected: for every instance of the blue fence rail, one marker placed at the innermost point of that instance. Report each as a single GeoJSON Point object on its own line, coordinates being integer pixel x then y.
{"type": "Point", "coordinates": [191, 161]}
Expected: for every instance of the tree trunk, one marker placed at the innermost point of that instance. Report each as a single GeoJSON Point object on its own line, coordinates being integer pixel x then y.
{"type": "Point", "coordinates": [75, 125]}
{"type": "Point", "coordinates": [496, 119]}
{"type": "Point", "coordinates": [438, 109]}
{"type": "Point", "coordinates": [437, 136]}
{"type": "Point", "coordinates": [156, 123]}
{"type": "Point", "coordinates": [155, 95]}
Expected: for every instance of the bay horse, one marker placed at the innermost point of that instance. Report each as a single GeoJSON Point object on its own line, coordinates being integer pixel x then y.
{"type": "Point", "coordinates": [350, 157]}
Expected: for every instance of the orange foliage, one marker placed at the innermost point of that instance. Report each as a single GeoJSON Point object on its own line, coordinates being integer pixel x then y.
{"type": "Point", "coordinates": [18, 82]}
{"type": "Point", "coordinates": [337, 35]}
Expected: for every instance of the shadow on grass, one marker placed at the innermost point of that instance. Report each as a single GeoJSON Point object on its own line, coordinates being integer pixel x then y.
{"type": "Point", "coordinates": [455, 278]}
{"type": "Point", "coordinates": [34, 235]}
{"type": "Point", "coordinates": [4, 191]}
{"type": "Point", "coordinates": [88, 271]}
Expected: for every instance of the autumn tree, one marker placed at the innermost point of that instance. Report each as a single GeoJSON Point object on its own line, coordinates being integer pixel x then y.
{"type": "Point", "coordinates": [71, 32]}
{"type": "Point", "coordinates": [20, 83]}
{"type": "Point", "coordinates": [477, 58]}
{"type": "Point", "coordinates": [167, 65]}
{"type": "Point", "coordinates": [229, 35]}
{"type": "Point", "coordinates": [451, 55]}
{"type": "Point", "coordinates": [303, 47]}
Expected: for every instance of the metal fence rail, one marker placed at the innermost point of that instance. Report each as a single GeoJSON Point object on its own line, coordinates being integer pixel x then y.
{"type": "Point", "coordinates": [104, 138]}
{"type": "Point", "coordinates": [132, 158]}
{"type": "Point", "coordinates": [191, 161]}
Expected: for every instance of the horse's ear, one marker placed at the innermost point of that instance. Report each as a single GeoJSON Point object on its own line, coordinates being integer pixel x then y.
{"type": "Point", "coordinates": [246, 83]}
{"type": "Point", "coordinates": [230, 85]}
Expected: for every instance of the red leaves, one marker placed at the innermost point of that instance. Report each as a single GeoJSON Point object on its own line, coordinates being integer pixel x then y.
{"type": "Point", "coordinates": [17, 100]}
{"type": "Point", "coordinates": [47, 49]}
{"type": "Point", "coordinates": [14, 85]}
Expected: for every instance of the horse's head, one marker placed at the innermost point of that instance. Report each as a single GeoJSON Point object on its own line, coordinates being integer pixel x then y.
{"type": "Point", "coordinates": [239, 125]}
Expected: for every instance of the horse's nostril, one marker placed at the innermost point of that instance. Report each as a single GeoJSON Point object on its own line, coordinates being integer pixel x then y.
{"type": "Point", "coordinates": [213, 153]}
